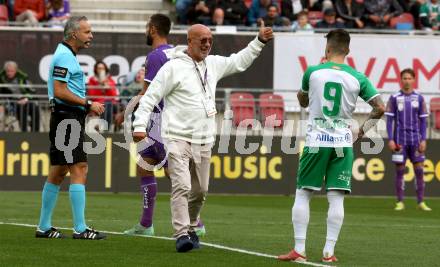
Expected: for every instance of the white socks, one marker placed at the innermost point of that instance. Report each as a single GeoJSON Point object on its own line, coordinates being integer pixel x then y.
{"type": "Point", "coordinates": [335, 217]}
{"type": "Point", "coordinates": [300, 218]}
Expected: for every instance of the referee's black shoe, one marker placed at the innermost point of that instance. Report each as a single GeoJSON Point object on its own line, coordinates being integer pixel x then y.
{"type": "Point", "coordinates": [51, 233]}
{"type": "Point", "coordinates": [89, 233]}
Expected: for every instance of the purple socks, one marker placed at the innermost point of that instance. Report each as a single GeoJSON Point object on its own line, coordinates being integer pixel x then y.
{"type": "Point", "coordinates": [400, 183]}
{"type": "Point", "coordinates": [420, 184]}
{"type": "Point", "coordinates": [148, 190]}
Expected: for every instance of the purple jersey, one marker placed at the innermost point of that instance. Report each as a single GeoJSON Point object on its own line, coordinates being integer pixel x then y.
{"type": "Point", "coordinates": [155, 60]}
{"type": "Point", "coordinates": [407, 116]}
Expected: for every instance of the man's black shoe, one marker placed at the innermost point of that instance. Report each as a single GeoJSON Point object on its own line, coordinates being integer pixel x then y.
{"type": "Point", "coordinates": [184, 244]}
{"type": "Point", "coordinates": [195, 239]}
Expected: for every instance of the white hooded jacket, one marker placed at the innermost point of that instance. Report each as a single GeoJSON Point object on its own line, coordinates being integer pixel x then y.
{"type": "Point", "coordinates": [178, 83]}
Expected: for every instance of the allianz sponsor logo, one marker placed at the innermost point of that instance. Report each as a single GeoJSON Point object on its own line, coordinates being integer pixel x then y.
{"type": "Point", "coordinates": [323, 137]}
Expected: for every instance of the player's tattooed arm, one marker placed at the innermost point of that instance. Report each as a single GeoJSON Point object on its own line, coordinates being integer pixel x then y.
{"type": "Point", "coordinates": [303, 99]}
{"type": "Point", "coordinates": [375, 115]}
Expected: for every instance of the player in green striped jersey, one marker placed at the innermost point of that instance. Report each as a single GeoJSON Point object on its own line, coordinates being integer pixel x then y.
{"type": "Point", "coordinates": [330, 91]}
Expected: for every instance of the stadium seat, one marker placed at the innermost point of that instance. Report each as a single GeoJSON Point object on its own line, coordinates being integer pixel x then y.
{"type": "Point", "coordinates": [403, 18]}
{"type": "Point", "coordinates": [314, 17]}
{"type": "Point", "coordinates": [435, 111]}
{"type": "Point", "coordinates": [3, 15]}
{"type": "Point", "coordinates": [243, 107]}
{"type": "Point", "coordinates": [271, 104]}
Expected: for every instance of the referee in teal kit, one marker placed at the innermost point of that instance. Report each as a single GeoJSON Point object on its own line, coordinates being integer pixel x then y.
{"type": "Point", "coordinates": [67, 90]}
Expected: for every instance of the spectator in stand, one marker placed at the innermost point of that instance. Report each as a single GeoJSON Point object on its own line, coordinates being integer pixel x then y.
{"type": "Point", "coordinates": [378, 13]}
{"type": "Point", "coordinates": [321, 5]}
{"type": "Point", "coordinates": [201, 11]}
{"type": "Point", "coordinates": [133, 88]}
{"type": "Point", "coordinates": [102, 89]}
{"type": "Point", "coordinates": [29, 11]}
{"type": "Point", "coordinates": [415, 12]}
{"type": "Point", "coordinates": [258, 10]}
{"type": "Point", "coordinates": [405, 4]}
{"type": "Point", "coordinates": [351, 11]}
{"type": "Point", "coordinates": [302, 22]}
{"type": "Point", "coordinates": [218, 17]}
{"type": "Point", "coordinates": [128, 92]}
{"type": "Point", "coordinates": [181, 10]}
{"type": "Point", "coordinates": [58, 12]}
{"type": "Point", "coordinates": [330, 21]}
{"type": "Point", "coordinates": [21, 104]}
{"type": "Point", "coordinates": [273, 18]}
{"type": "Point", "coordinates": [430, 15]}
{"type": "Point", "coordinates": [235, 11]}
{"type": "Point", "coordinates": [291, 8]}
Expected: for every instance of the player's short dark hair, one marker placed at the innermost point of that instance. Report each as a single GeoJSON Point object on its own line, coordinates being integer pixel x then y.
{"type": "Point", "coordinates": [95, 68]}
{"type": "Point", "coordinates": [339, 41]}
{"type": "Point", "coordinates": [409, 71]}
{"type": "Point", "coordinates": [162, 24]}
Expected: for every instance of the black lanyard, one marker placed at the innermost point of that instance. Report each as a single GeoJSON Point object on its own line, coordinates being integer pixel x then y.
{"type": "Point", "coordinates": [202, 81]}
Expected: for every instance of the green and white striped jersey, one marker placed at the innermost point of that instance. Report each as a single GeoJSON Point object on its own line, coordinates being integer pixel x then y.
{"type": "Point", "coordinates": [333, 90]}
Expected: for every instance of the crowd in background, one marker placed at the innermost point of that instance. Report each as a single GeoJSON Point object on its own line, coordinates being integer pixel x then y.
{"type": "Point", "coordinates": [309, 14]}
{"type": "Point", "coordinates": [19, 104]}
{"type": "Point", "coordinates": [32, 12]}
{"type": "Point", "coordinates": [294, 14]}
{"type": "Point", "coordinates": [20, 109]}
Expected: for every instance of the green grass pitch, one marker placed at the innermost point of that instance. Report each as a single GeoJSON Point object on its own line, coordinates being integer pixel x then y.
{"type": "Point", "coordinates": [372, 235]}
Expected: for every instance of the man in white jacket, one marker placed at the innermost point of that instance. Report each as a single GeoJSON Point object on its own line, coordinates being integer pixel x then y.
{"type": "Point", "coordinates": [187, 83]}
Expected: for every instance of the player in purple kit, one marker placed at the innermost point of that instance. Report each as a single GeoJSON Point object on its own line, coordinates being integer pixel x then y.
{"type": "Point", "coordinates": [158, 29]}
{"type": "Point", "coordinates": [406, 127]}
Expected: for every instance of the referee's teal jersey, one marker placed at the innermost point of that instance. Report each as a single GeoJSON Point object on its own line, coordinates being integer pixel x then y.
{"type": "Point", "coordinates": [65, 68]}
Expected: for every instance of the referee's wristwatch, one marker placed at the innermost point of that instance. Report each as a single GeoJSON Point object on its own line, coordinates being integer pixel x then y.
{"type": "Point", "coordinates": [88, 104]}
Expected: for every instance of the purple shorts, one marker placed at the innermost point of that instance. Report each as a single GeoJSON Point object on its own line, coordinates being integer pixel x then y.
{"type": "Point", "coordinates": [155, 151]}
{"type": "Point", "coordinates": [408, 151]}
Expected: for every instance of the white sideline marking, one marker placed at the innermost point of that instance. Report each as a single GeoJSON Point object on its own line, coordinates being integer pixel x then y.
{"type": "Point", "coordinates": [243, 251]}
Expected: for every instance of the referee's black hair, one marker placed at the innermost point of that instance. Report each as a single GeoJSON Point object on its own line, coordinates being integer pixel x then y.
{"type": "Point", "coordinates": [339, 41]}
{"type": "Point", "coordinates": [162, 24]}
